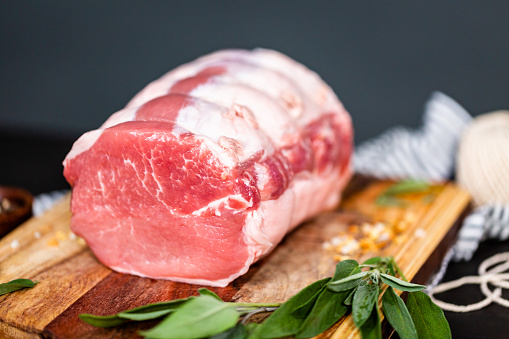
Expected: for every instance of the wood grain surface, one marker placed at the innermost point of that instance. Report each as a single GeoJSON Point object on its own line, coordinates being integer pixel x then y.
{"type": "Point", "coordinates": [72, 281]}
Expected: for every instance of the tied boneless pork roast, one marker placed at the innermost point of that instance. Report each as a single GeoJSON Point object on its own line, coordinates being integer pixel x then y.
{"type": "Point", "coordinates": [208, 167]}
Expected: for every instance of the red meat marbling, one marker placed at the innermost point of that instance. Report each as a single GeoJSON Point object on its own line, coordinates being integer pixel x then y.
{"type": "Point", "coordinates": [208, 167]}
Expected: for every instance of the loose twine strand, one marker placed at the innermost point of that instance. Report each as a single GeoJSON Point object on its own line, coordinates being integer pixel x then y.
{"type": "Point", "coordinates": [493, 276]}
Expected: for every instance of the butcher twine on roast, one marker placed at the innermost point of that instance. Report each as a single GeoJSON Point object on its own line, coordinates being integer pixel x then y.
{"type": "Point", "coordinates": [208, 167]}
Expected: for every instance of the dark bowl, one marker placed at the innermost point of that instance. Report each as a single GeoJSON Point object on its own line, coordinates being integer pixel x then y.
{"type": "Point", "coordinates": [15, 208]}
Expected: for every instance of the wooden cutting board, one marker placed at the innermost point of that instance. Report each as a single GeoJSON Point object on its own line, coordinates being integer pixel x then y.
{"type": "Point", "coordinates": [72, 281]}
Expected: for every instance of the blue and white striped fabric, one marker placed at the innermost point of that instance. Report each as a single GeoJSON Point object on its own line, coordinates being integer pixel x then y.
{"type": "Point", "coordinates": [426, 153]}
{"type": "Point", "coordinates": [485, 222]}
{"type": "Point", "coordinates": [429, 153]}
{"type": "Point", "coordinates": [45, 201]}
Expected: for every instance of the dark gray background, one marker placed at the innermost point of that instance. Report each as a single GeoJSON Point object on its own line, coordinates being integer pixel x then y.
{"type": "Point", "coordinates": [65, 66]}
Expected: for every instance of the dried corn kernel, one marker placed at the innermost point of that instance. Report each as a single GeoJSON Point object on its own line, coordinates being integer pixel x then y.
{"type": "Point", "coordinates": [61, 236]}
{"type": "Point", "coordinates": [52, 242]}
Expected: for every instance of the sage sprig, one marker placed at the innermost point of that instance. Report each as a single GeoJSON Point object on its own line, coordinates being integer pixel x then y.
{"type": "Point", "coordinates": [15, 285]}
{"type": "Point", "coordinates": [390, 197]}
{"type": "Point", "coordinates": [354, 289]}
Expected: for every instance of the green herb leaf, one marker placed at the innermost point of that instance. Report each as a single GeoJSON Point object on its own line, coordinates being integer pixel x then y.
{"type": "Point", "coordinates": [389, 196]}
{"type": "Point", "coordinates": [327, 310]}
{"type": "Point", "coordinates": [283, 322]}
{"type": "Point", "coordinates": [102, 320]}
{"type": "Point", "coordinates": [153, 311]}
{"type": "Point", "coordinates": [397, 314]}
{"type": "Point", "coordinates": [15, 285]}
{"type": "Point", "coordinates": [348, 283]}
{"type": "Point", "coordinates": [363, 302]}
{"type": "Point", "coordinates": [253, 330]}
{"type": "Point", "coordinates": [429, 319]}
{"type": "Point", "coordinates": [329, 306]}
{"type": "Point", "coordinates": [407, 186]}
{"type": "Point", "coordinates": [400, 284]}
{"type": "Point", "coordinates": [239, 331]}
{"type": "Point", "coordinates": [206, 291]}
{"type": "Point", "coordinates": [145, 312]}
{"type": "Point", "coordinates": [373, 261]}
{"type": "Point", "coordinates": [390, 268]}
{"type": "Point", "coordinates": [200, 317]}
{"type": "Point", "coordinates": [304, 309]}
{"type": "Point", "coordinates": [389, 200]}
{"type": "Point", "coordinates": [348, 275]}
{"type": "Point", "coordinates": [307, 314]}
{"type": "Point", "coordinates": [349, 300]}
{"type": "Point", "coordinates": [144, 316]}
{"type": "Point", "coordinates": [372, 328]}
{"type": "Point", "coordinates": [345, 269]}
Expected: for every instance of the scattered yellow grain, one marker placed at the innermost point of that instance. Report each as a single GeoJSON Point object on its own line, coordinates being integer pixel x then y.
{"type": "Point", "coordinates": [401, 226]}
{"type": "Point", "coordinates": [53, 242]}
{"type": "Point", "coordinates": [358, 240]}
{"type": "Point", "coordinates": [61, 236]}
{"type": "Point", "coordinates": [400, 239]}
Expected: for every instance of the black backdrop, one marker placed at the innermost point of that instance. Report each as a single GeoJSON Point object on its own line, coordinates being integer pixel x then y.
{"type": "Point", "coordinates": [65, 66]}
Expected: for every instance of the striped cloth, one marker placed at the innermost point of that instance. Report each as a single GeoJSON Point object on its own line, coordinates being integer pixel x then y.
{"type": "Point", "coordinates": [429, 153]}
{"type": "Point", "coordinates": [485, 222]}
{"type": "Point", "coordinates": [426, 153]}
{"type": "Point", "coordinates": [45, 201]}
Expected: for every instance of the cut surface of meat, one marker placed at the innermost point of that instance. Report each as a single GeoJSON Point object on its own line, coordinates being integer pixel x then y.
{"type": "Point", "coordinates": [208, 167]}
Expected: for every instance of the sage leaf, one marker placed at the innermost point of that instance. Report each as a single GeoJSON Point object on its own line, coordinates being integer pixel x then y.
{"type": "Point", "coordinates": [389, 200]}
{"type": "Point", "coordinates": [372, 328]}
{"type": "Point", "coordinates": [283, 322]}
{"type": "Point", "coordinates": [372, 261]}
{"type": "Point", "coordinates": [102, 320]}
{"type": "Point", "coordinates": [345, 269]}
{"type": "Point", "coordinates": [347, 283]}
{"type": "Point", "coordinates": [145, 312]}
{"type": "Point", "coordinates": [153, 311]}
{"type": "Point", "coordinates": [363, 302]}
{"type": "Point", "coordinates": [400, 284]}
{"type": "Point", "coordinates": [407, 186]}
{"type": "Point", "coordinates": [349, 300]}
{"type": "Point", "coordinates": [429, 319]}
{"type": "Point", "coordinates": [200, 317]}
{"type": "Point", "coordinates": [327, 310]}
{"type": "Point", "coordinates": [15, 285]}
{"type": "Point", "coordinates": [389, 196]}
{"type": "Point", "coordinates": [239, 331]}
{"type": "Point", "coordinates": [390, 269]}
{"type": "Point", "coordinates": [304, 309]}
{"type": "Point", "coordinates": [144, 316]}
{"type": "Point", "coordinates": [253, 330]}
{"type": "Point", "coordinates": [397, 314]}
{"type": "Point", "coordinates": [329, 307]}
{"type": "Point", "coordinates": [206, 291]}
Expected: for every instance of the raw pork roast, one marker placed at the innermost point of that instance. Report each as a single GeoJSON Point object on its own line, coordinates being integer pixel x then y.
{"type": "Point", "coordinates": [208, 167]}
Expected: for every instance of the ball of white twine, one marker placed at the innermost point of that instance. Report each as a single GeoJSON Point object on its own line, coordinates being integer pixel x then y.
{"type": "Point", "coordinates": [493, 276]}
{"type": "Point", "coordinates": [483, 159]}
